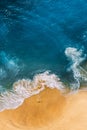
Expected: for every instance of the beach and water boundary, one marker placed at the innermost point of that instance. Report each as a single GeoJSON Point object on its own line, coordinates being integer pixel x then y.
{"type": "Point", "coordinates": [25, 88]}
{"type": "Point", "coordinates": [43, 65]}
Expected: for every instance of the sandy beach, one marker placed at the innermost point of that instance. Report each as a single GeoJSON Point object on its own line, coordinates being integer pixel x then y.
{"type": "Point", "coordinates": [48, 110]}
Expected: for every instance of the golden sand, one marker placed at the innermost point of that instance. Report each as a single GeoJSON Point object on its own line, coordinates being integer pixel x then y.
{"type": "Point", "coordinates": [49, 110]}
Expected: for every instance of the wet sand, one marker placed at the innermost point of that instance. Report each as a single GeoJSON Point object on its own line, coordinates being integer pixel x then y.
{"type": "Point", "coordinates": [49, 110]}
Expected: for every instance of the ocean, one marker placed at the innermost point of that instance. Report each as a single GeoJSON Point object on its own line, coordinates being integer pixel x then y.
{"type": "Point", "coordinates": [42, 44]}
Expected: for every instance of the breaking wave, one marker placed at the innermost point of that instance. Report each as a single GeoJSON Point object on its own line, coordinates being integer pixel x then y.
{"type": "Point", "coordinates": [33, 35]}
{"type": "Point", "coordinates": [26, 88]}
{"type": "Point", "coordinates": [79, 73]}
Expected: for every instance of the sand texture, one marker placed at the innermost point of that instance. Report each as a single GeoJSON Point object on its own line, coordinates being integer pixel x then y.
{"type": "Point", "coordinates": [49, 110]}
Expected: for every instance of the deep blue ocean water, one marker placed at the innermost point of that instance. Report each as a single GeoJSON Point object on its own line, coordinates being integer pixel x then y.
{"type": "Point", "coordinates": [34, 35]}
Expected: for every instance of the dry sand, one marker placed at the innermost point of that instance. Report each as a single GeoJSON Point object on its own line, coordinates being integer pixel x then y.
{"type": "Point", "coordinates": [49, 110]}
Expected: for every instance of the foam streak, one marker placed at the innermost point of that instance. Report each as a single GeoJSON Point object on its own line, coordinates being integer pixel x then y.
{"type": "Point", "coordinates": [26, 88]}
{"type": "Point", "coordinates": [76, 57]}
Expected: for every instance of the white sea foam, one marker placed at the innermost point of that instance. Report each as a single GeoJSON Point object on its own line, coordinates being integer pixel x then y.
{"type": "Point", "coordinates": [26, 88]}
{"type": "Point", "coordinates": [79, 73]}
{"type": "Point", "coordinates": [74, 55]}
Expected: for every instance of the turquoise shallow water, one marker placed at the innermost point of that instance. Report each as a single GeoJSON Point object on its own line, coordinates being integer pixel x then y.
{"type": "Point", "coordinates": [34, 36]}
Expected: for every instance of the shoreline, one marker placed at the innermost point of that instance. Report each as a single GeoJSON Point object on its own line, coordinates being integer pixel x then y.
{"type": "Point", "coordinates": [50, 109]}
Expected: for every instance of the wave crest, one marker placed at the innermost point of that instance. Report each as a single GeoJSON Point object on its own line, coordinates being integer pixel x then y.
{"type": "Point", "coordinates": [79, 73]}
{"type": "Point", "coordinates": [26, 88]}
